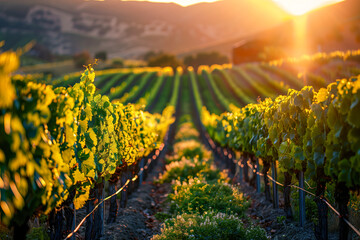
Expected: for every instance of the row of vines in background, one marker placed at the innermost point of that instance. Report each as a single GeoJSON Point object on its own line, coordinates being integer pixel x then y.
{"type": "Point", "coordinates": [319, 58]}
{"type": "Point", "coordinates": [316, 133]}
{"type": "Point", "coordinates": [58, 145]}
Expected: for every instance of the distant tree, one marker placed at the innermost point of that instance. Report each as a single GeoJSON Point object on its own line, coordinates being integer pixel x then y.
{"type": "Point", "coordinates": [102, 55]}
{"type": "Point", "coordinates": [151, 54]}
{"type": "Point", "coordinates": [81, 59]}
{"type": "Point", "coordinates": [271, 53]}
{"type": "Point", "coordinates": [117, 63]}
{"type": "Point", "coordinates": [41, 52]}
{"type": "Point", "coordinates": [205, 58]}
{"type": "Point", "coordinates": [164, 60]}
{"type": "Point", "coordinates": [190, 60]}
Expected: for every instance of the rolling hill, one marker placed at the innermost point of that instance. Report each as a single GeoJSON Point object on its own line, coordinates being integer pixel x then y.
{"type": "Point", "coordinates": [332, 28]}
{"type": "Point", "coordinates": [129, 29]}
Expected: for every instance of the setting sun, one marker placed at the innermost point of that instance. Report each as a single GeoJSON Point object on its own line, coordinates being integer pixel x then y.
{"type": "Point", "coordinates": [300, 7]}
{"type": "Point", "coordinates": [183, 3]}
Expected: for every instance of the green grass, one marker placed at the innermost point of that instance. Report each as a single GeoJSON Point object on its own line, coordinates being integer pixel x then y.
{"type": "Point", "coordinates": [111, 82]}
{"type": "Point", "coordinates": [185, 96]}
{"type": "Point", "coordinates": [289, 78]}
{"type": "Point", "coordinates": [223, 100]}
{"type": "Point", "coordinates": [65, 83]}
{"type": "Point", "coordinates": [254, 83]}
{"type": "Point", "coordinates": [207, 98]}
{"type": "Point", "coordinates": [224, 90]}
{"type": "Point", "coordinates": [195, 87]}
{"type": "Point", "coordinates": [238, 91]}
{"type": "Point", "coordinates": [176, 87]}
{"type": "Point", "coordinates": [120, 90]}
{"type": "Point", "coordinates": [150, 95]}
{"type": "Point", "coordinates": [163, 100]}
{"type": "Point", "coordinates": [134, 94]}
{"type": "Point", "coordinates": [272, 84]}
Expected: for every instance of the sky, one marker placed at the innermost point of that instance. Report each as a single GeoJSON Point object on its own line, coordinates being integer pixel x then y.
{"type": "Point", "coordinates": [181, 2]}
{"type": "Point", "coordinates": [295, 7]}
{"type": "Point", "coordinates": [300, 7]}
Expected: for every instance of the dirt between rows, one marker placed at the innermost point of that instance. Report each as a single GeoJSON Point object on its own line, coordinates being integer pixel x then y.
{"type": "Point", "coordinates": [262, 213]}
{"type": "Point", "coordinates": [273, 221]}
{"type": "Point", "coordinates": [136, 221]}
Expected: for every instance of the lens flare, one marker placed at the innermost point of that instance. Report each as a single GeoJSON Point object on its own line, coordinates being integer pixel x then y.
{"type": "Point", "coordinates": [300, 7]}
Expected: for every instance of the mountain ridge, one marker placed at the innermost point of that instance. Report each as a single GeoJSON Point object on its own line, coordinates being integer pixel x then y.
{"type": "Point", "coordinates": [331, 28]}
{"type": "Point", "coordinates": [129, 29]}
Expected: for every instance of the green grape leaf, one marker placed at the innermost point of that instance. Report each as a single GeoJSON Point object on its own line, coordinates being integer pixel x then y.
{"type": "Point", "coordinates": [88, 164]}
{"type": "Point", "coordinates": [338, 132]}
{"type": "Point", "coordinates": [83, 125]}
{"type": "Point", "coordinates": [317, 109]}
{"type": "Point", "coordinates": [91, 138]}
{"type": "Point", "coordinates": [298, 101]}
{"type": "Point", "coordinates": [70, 138]}
{"type": "Point", "coordinates": [354, 114]}
{"type": "Point", "coordinates": [78, 176]}
{"type": "Point", "coordinates": [106, 104]}
{"type": "Point", "coordinates": [345, 177]}
{"type": "Point", "coordinates": [354, 139]}
{"type": "Point", "coordinates": [284, 148]}
{"type": "Point", "coordinates": [82, 195]}
{"type": "Point", "coordinates": [91, 173]}
{"type": "Point", "coordinates": [344, 164]}
{"type": "Point", "coordinates": [299, 154]}
{"type": "Point", "coordinates": [88, 112]}
{"type": "Point", "coordinates": [332, 116]}
{"type": "Point", "coordinates": [91, 89]}
{"type": "Point", "coordinates": [345, 105]}
{"type": "Point", "coordinates": [319, 158]}
{"type": "Point", "coordinates": [322, 95]}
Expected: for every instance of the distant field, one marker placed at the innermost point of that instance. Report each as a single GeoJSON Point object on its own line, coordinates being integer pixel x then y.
{"type": "Point", "coordinates": [58, 69]}
{"type": "Point", "coordinates": [220, 86]}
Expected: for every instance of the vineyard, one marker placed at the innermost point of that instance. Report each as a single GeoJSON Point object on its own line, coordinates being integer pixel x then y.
{"type": "Point", "coordinates": [195, 153]}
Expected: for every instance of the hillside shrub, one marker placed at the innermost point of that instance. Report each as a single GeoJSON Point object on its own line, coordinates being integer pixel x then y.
{"type": "Point", "coordinates": [190, 149]}
{"type": "Point", "coordinates": [102, 55]}
{"type": "Point", "coordinates": [205, 58]}
{"type": "Point", "coordinates": [198, 196]}
{"type": "Point", "coordinates": [185, 168]}
{"type": "Point", "coordinates": [164, 60]}
{"type": "Point", "coordinates": [82, 59]}
{"type": "Point", "coordinates": [210, 226]}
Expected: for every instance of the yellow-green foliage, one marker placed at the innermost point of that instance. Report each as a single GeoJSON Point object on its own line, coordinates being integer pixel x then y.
{"type": "Point", "coordinates": [55, 141]}
{"type": "Point", "coordinates": [198, 196]}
